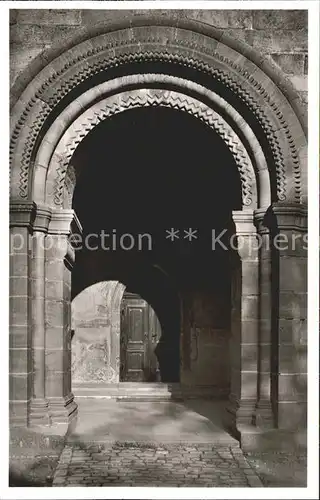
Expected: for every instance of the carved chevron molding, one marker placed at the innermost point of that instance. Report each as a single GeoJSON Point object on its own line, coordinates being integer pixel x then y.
{"type": "Point", "coordinates": [168, 99]}
{"type": "Point", "coordinates": [95, 60]}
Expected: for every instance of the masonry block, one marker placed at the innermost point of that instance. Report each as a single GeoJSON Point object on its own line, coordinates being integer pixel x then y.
{"type": "Point", "coordinates": [223, 18]}
{"type": "Point", "coordinates": [293, 331]}
{"type": "Point", "coordinates": [293, 358]}
{"type": "Point", "coordinates": [292, 386]}
{"type": "Point", "coordinates": [54, 289]}
{"type": "Point", "coordinates": [250, 278]}
{"type": "Point", "coordinates": [299, 82]}
{"type": "Point", "coordinates": [249, 330]}
{"type": "Point", "coordinates": [54, 360]}
{"type": "Point", "coordinates": [18, 310]}
{"type": "Point", "coordinates": [33, 34]}
{"type": "Point", "coordinates": [94, 16]}
{"type": "Point", "coordinates": [248, 384]}
{"type": "Point", "coordinates": [256, 356]}
{"type": "Point", "coordinates": [55, 337]}
{"type": "Point", "coordinates": [19, 386]}
{"type": "Point", "coordinates": [19, 336]}
{"type": "Point", "coordinates": [292, 305]}
{"type": "Point", "coordinates": [18, 286]}
{"type": "Point", "coordinates": [18, 265]}
{"type": "Point", "coordinates": [282, 19]}
{"type": "Point", "coordinates": [19, 360]}
{"type": "Point", "coordinates": [19, 240]}
{"type": "Point", "coordinates": [292, 64]}
{"type": "Point", "coordinates": [54, 384]}
{"type": "Point", "coordinates": [292, 415]}
{"type": "Point", "coordinates": [18, 413]}
{"type": "Point", "coordinates": [54, 313]}
{"type": "Point", "coordinates": [51, 17]}
{"type": "Point", "coordinates": [277, 40]}
{"type": "Point", "coordinates": [249, 307]}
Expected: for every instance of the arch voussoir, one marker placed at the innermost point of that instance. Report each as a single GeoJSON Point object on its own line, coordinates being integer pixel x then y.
{"type": "Point", "coordinates": [145, 97]}
{"type": "Point", "coordinates": [212, 100]}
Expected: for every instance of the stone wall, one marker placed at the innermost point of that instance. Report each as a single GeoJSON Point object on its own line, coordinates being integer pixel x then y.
{"type": "Point", "coordinates": [94, 347]}
{"type": "Point", "coordinates": [280, 36]}
{"type": "Point", "coordinates": [209, 321]}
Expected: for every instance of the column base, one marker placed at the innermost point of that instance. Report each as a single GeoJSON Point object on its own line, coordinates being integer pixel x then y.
{"type": "Point", "coordinates": [239, 413]}
{"type": "Point", "coordinates": [264, 417]}
{"type": "Point", "coordinates": [39, 413]}
{"type": "Point", "coordinates": [63, 411]}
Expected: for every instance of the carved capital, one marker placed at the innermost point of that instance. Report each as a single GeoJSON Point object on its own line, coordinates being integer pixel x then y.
{"type": "Point", "coordinates": [261, 221]}
{"type": "Point", "coordinates": [22, 213]}
{"type": "Point", "coordinates": [243, 221]}
{"type": "Point", "coordinates": [290, 217]}
{"type": "Point", "coordinates": [60, 222]}
{"type": "Point", "coordinates": [42, 218]}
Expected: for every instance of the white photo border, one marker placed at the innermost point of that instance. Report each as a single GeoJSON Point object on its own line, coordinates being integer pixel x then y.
{"type": "Point", "coordinates": [313, 262]}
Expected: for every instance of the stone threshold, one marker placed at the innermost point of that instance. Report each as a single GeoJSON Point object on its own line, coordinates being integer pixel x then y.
{"type": "Point", "coordinates": [147, 391]}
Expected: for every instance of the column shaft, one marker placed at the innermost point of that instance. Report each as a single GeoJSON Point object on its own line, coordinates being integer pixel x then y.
{"type": "Point", "coordinates": [264, 417]}
{"type": "Point", "coordinates": [20, 361]}
{"type": "Point", "coordinates": [39, 406]}
{"type": "Point", "coordinates": [291, 386]}
{"type": "Point", "coordinates": [244, 323]}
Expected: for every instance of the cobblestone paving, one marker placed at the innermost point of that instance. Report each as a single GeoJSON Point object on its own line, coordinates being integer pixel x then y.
{"type": "Point", "coordinates": [142, 464]}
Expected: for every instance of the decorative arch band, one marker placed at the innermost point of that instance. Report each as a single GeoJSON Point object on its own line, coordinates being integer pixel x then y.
{"type": "Point", "coordinates": [158, 98]}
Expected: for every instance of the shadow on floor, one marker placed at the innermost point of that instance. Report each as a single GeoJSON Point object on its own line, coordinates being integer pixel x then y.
{"type": "Point", "coordinates": [35, 471]}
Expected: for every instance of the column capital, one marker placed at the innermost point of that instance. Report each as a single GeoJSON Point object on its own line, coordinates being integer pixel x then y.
{"type": "Point", "coordinates": [243, 220]}
{"type": "Point", "coordinates": [22, 213]}
{"type": "Point", "coordinates": [290, 216]}
{"type": "Point", "coordinates": [60, 222]}
{"type": "Point", "coordinates": [262, 220]}
{"type": "Point", "coordinates": [42, 218]}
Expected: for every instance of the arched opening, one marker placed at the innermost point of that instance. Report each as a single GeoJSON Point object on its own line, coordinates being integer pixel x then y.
{"type": "Point", "coordinates": [160, 187]}
{"type": "Point", "coordinates": [240, 156]}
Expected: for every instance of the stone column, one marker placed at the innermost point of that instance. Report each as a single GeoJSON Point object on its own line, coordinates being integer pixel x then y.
{"type": "Point", "coordinates": [264, 417]}
{"type": "Point", "coordinates": [39, 405]}
{"type": "Point", "coordinates": [59, 260]}
{"type": "Point", "coordinates": [244, 323]}
{"type": "Point", "coordinates": [20, 362]}
{"type": "Point", "coordinates": [290, 382]}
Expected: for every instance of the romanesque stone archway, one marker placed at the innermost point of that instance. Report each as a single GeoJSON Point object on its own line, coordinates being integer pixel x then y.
{"type": "Point", "coordinates": [231, 89]}
{"type": "Point", "coordinates": [248, 82]}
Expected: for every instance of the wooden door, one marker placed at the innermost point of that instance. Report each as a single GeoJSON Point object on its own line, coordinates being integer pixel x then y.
{"type": "Point", "coordinates": [140, 333]}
